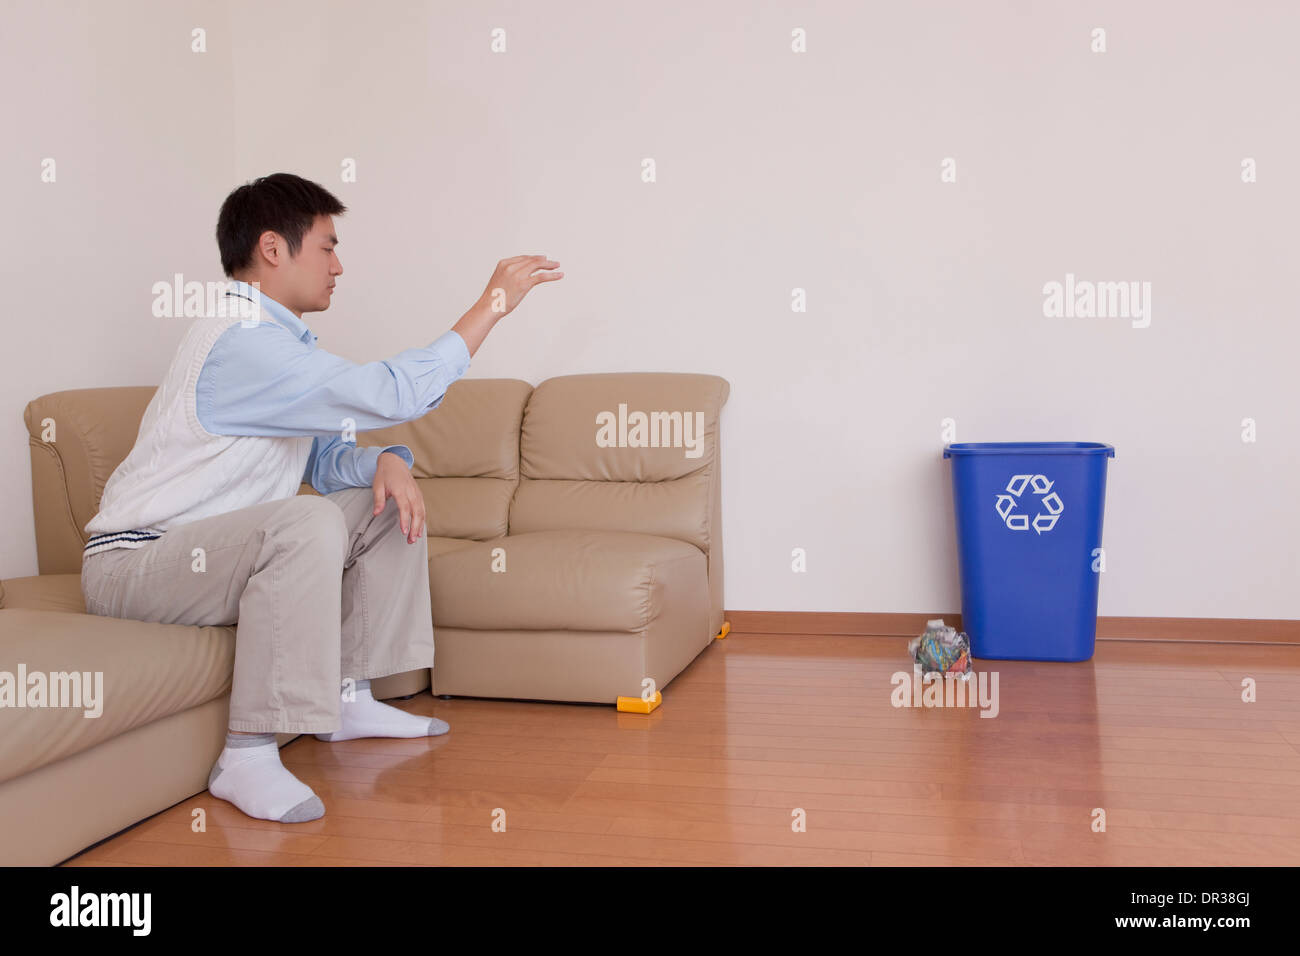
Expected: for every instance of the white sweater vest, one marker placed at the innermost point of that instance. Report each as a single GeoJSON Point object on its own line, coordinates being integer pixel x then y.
{"type": "Point", "coordinates": [178, 472]}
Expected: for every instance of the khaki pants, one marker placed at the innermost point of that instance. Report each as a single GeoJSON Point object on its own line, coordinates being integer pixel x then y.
{"type": "Point", "coordinates": [321, 588]}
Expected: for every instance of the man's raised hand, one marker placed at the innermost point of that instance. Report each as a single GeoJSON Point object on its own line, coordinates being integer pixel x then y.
{"type": "Point", "coordinates": [514, 277]}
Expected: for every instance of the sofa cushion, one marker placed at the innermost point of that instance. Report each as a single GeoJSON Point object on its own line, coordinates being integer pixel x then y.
{"type": "Point", "coordinates": [149, 671]}
{"type": "Point", "coordinates": [585, 462]}
{"type": "Point", "coordinates": [556, 580]}
{"type": "Point", "coordinates": [46, 592]}
{"type": "Point", "coordinates": [474, 508]}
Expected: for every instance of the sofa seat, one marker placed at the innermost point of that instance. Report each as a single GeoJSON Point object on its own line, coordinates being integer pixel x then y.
{"type": "Point", "coordinates": [62, 592]}
{"type": "Point", "coordinates": [150, 671]}
{"type": "Point", "coordinates": [44, 592]}
{"type": "Point", "coordinates": [606, 581]}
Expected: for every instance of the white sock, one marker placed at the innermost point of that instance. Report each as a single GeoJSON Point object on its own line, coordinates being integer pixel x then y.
{"type": "Point", "coordinates": [249, 774]}
{"type": "Point", "coordinates": [367, 717]}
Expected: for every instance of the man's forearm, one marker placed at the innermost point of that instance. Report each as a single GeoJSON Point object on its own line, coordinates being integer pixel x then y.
{"type": "Point", "coordinates": [475, 324]}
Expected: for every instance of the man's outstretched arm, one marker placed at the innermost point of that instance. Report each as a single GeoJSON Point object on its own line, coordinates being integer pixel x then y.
{"type": "Point", "coordinates": [262, 380]}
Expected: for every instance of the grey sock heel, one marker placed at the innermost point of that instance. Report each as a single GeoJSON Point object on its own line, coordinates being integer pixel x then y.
{"type": "Point", "coordinates": [240, 740]}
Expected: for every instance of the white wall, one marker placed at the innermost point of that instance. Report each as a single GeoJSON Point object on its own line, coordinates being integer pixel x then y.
{"type": "Point", "coordinates": [775, 170]}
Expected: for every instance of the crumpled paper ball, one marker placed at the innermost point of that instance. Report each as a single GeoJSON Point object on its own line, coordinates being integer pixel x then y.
{"type": "Point", "coordinates": [941, 650]}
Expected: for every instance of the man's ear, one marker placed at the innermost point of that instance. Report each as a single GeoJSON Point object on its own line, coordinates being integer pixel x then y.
{"type": "Point", "coordinates": [269, 245]}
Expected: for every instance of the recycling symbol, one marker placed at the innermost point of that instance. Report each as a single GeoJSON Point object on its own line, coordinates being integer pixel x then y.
{"type": "Point", "coordinates": [1043, 521]}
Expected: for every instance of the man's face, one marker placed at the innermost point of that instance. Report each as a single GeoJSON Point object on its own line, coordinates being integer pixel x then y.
{"type": "Point", "coordinates": [309, 276]}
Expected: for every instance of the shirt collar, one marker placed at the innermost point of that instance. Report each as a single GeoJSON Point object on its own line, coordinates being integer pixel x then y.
{"type": "Point", "coordinates": [276, 311]}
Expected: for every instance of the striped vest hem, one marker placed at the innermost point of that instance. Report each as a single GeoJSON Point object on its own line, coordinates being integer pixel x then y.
{"type": "Point", "coordinates": [135, 538]}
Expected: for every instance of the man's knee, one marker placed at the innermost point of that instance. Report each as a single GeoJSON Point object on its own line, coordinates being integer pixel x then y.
{"type": "Point", "coordinates": [322, 520]}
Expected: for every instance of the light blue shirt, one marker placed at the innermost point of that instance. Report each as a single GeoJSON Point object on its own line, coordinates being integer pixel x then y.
{"type": "Point", "coordinates": [258, 380]}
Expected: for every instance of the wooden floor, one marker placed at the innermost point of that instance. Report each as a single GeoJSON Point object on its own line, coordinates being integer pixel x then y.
{"type": "Point", "coordinates": [1156, 734]}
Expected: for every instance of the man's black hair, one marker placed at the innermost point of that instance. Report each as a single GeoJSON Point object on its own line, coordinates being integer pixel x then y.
{"type": "Point", "coordinates": [281, 202]}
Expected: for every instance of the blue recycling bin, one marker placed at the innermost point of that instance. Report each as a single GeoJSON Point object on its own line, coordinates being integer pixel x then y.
{"type": "Point", "coordinates": [1029, 518]}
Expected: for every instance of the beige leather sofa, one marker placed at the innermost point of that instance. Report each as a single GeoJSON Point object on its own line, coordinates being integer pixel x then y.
{"type": "Point", "coordinates": [613, 573]}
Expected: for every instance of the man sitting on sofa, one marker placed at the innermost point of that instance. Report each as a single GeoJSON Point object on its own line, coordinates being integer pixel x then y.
{"type": "Point", "coordinates": [202, 523]}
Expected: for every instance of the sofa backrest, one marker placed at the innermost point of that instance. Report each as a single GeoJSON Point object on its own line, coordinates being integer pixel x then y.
{"type": "Point", "coordinates": [466, 459]}
{"type": "Point", "coordinates": [609, 452]}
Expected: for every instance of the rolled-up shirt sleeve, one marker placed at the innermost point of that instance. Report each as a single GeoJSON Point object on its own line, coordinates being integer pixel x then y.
{"type": "Point", "coordinates": [261, 380]}
{"type": "Point", "coordinates": [335, 464]}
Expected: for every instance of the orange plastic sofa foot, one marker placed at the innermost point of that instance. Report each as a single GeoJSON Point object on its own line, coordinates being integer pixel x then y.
{"type": "Point", "coordinates": [635, 705]}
